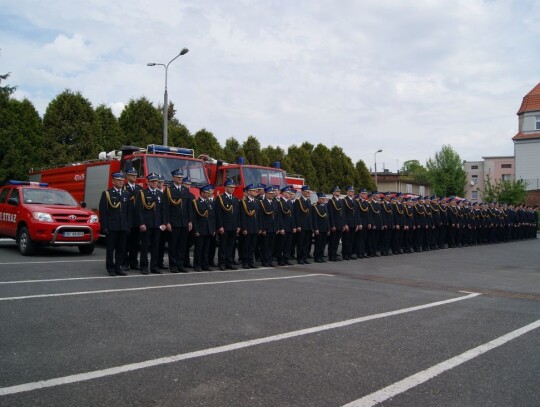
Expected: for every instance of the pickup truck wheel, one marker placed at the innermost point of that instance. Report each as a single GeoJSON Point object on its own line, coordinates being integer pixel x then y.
{"type": "Point", "coordinates": [87, 248]}
{"type": "Point", "coordinates": [26, 246]}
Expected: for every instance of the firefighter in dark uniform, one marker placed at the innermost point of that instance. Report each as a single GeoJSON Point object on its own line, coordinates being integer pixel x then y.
{"type": "Point", "coordinates": [204, 227]}
{"type": "Point", "coordinates": [376, 226]}
{"type": "Point", "coordinates": [321, 226]}
{"type": "Point", "coordinates": [335, 206]}
{"type": "Point", "coordinates": [165, 235]}
{"type": "Point", "coordinates": [284, 238]}
{"type": "Point", "coordinates": [134, 235]}
{"type": "Point", "coordinates": [350, 224]}
{"type": "Point", "coordinates": [271, 225]}
{"type": "Point", "coordinates": [114, 214]}
{"type": "Point", "coordinates": [152, 219]}
{"type": "Point", "coordinates": [186, 183]}
{"type": "Point", "coordinates": [364, 225]}
{"type": "Point", "coordinates": [304, 228]}
{"type": "Point", "coordinates": [387, 212]}
{"type": "Point", "coordinates": [180, 210]}
{"type": "Point", "coordinates": [227, 225]}
{"type": "Point", "coordinates": [250, 226]}
{"type": "Point", "coordinates": [399, 223]}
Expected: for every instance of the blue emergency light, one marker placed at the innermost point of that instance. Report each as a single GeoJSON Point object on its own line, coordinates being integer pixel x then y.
{"type": "Point", "coordinates": [277, 164]}
{"type": "Point", "coordinates": [157, 149]}
{"type": "Point", "coordinates": [241, 160]}
{"type": "Point", "coordinates": [31, 183]}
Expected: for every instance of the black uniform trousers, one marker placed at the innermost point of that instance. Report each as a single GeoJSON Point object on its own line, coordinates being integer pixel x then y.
{"type": "Point", "coordinates": [177, 247]}
{"type": "Point", "coordinates": [150, 244]}
{"type": "Point", "coordinates": [226, 248]}
{"type": "Point", "coordinates": [116, 247]}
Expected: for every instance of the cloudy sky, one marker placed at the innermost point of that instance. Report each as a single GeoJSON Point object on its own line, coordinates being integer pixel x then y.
{"type": "Point", "coordinates": [404, 76]}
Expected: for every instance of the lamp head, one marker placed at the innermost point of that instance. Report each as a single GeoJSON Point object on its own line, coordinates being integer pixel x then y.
{"type": "Point", "coordinates": [151, 64]}
{"type": "Point", "coordinates": [184, 51]}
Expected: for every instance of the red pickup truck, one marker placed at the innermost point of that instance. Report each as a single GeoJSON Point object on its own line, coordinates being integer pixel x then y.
{"type": "Point", "coordinates": [36, 215]}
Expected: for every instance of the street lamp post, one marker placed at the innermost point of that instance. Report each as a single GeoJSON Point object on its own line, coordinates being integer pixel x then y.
{"type": "Point", "coordinates": [375, 159]}
{"type": "Point", "coordinates": [165, 95]}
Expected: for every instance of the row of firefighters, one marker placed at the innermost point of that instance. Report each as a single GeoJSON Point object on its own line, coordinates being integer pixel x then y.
{"type": "Point", "coordinates": [271, 224]}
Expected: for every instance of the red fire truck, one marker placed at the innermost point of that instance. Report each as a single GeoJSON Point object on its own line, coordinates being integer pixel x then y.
{"type": "Point", "coordinates": [243, 174]}
{"type": "Point", "coordinates": [86, 180]}
{"type": "Point", "coordinates": [35, 215]}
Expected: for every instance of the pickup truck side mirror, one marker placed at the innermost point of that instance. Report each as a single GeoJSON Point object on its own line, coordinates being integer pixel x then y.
{"type": "Point", "coordinates": [13, 201]}
{"type": "Point", "coordinates": [83, 204]}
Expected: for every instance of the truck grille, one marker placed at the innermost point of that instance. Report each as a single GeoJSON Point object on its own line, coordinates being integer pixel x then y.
{"type": "Point", "coordinates": [70, 218]}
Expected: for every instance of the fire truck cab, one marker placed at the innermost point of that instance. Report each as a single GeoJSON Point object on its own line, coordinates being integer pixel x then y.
{"type": "Point", "coordinates": [242, 174]}
{"type": "Point", "coordinates": [86, 180]}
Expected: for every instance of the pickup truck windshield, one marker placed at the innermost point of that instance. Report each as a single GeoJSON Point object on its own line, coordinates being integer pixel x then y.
{"type": "Point", "coordinates": [48, 197]}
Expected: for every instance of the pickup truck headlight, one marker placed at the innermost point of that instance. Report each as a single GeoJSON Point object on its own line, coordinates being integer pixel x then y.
{"type": "Point", "coordinates": [93, 219]}
{"type": "Point", "coordinates": [42, 217]}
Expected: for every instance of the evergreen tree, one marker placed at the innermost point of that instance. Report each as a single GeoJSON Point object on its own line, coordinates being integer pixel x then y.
{"type": "Point", "coordinates": [274, 155]}
{"type": "Point", "coordinates": [70, 129]}
{"type": "Point", "coordinates": [322, 161]}
{"type": "Point", "coordinates": [252, 151]}
{"type": "Point", "coordinates": [22, 140]}
{"type": "Point", "coordinates": [301, 164]}
{"type": "Point", "coordinates": [366, 181]}
{"type": "Point", "coordinates": [109, 135]}
{"type": "Point", "coordinates": [141, 123]}
{"type": "Point", "coordinates": [206, 143]}
{"type": "Point", "coordinates": [232, 150]}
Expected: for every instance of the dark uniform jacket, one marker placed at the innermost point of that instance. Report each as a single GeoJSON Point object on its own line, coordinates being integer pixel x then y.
{"type": "Point", "coordinates": [204, 222]}
{"type": "Point", "coordinates": [150, 208]}
{"type": "Point", "coordinates": [249, 215]}
{"type": "Point", "coordinates": [335, 206]}
{"type": "Point", "coordinates": [350, 212]}
{"type": "Point", "coordinates": [270, 215]}
{"type": "Point", "coordinates": [115, 211]}
{"type": "Point", "coordinates": [132, 191]}
{"type": "Point", "coordinates": [179, 206]}
{"type": "Point", "coordinates": [287, 218]}
{"type": "Point", "coordinates": [321, 218]}
{"type": "Point", "coordinates": [227, 212]}
{"type": "Point", "coordinates": [302, 213]}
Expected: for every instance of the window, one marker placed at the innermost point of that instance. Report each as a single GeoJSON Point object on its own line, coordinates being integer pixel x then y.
{"type": "Point", "coordinates": [474, 194]}
{"type": "Point", "coordinates": [421, 190]}
{"type": "Point", "coordinates": [506, 165]}
{"type": "Point", "coordinates": [537, 127]}
{"type": "Point", "coordinates": [474, 179]}
{"type": "Point", "coordinates": [408, 188]}
{"type": "Point", "coordinates": [506, 177]}
{"type": "Point", "coordinates": [4, 194]}
{"type": "Point", "coordinates": [474, 167]}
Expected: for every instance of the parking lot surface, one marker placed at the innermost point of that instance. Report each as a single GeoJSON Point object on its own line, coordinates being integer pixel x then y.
{"type": "Point", "coordinates": [455, 327]}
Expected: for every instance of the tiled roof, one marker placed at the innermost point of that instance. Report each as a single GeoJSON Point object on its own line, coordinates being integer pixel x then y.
{"type": "Point", "coordinates": [531, 101]}
{"type": "Point", "coordinates": [526, 136]}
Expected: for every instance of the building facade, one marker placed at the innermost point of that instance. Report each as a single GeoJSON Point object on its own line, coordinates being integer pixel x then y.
{"type": "Point", "coordinates": [396, 182]}
{"type": "Point", "coordinates": [527, 140]}
{"type": "Point", "coordinates": [492, 168]}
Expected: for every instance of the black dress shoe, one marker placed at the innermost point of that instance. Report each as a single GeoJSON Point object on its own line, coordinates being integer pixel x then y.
{"type": "Point", "coordinates": [111, 273]}
{"type": "Point", "coordinates": [222, 267]}
{"type": "Point", "coordinates": [162, 267]}
{"type": "Point", "coordinates": [231, 267]}
{"type": "Point", "coordinates": [206, 269]}
{"type": "Point", "coordinates": [156, 272]}
{"type": "Point", "coordinates": [182, 270]}
{"type": "Point", "coordinates": [211, 264]}
{"type": "Point", "coordinates": [235, 263]}
{"type": "Point", "coordinates": [197, 268]}
{"type": "Point", "coordinates": [306, 261]}
{"type": "Point", "coordinates": [174, 270]}
{"type": "Point", "coordinates": [134, 267]}
{"type": "Point", "coordinates": [245, 266]}
{"type": "Point", "coordinates": [188, 265]}
{"type": "Point", "coordinates": [271, 264]}
{"type": "Point", "coordinates": [280, 263]}
{"type": "Point", "coordinates": [253, 266]}
{"type": "Point", "coordinates": [353, 257]}
{"type": "Point", "coordinates": [121, 273]}
{"type": "Point", "coordinates": [288, 263]}
{"type": "Point", "coordinates": [144, 271]}
{"type": "Point", "coordinates": [300, 261]}
{"type": "Point", "coordinates": [124, 268]}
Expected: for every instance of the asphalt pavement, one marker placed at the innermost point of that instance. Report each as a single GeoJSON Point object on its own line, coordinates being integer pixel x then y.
{"type": "Point", "coordinates": [454, 327]}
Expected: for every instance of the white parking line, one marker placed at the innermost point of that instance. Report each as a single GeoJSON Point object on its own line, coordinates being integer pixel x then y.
{"type": "Point", "coordinates": [428, 374]}
{"type": "Point", "coordinates": [13, 263]}
{"type": "Point", "coordinates": [139, 275]}
{"type": "Point", "coordinates": [26, 297]}
{"type": "Point", "coordinates": [212, 351]}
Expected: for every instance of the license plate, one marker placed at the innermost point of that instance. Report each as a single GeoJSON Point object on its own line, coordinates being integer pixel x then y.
{"type": "Point", "coordinates": [73, 234]}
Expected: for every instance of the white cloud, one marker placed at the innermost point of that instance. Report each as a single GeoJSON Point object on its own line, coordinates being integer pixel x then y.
{"type": "Point", "coordinates": [406, 77]}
